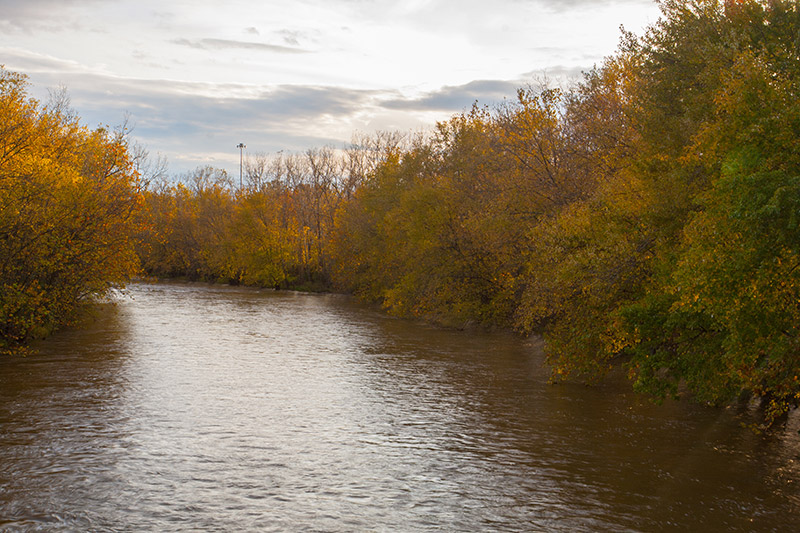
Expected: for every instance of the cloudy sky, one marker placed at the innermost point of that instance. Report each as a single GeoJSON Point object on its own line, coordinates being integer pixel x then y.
{"type": "Point", "coordinates": [196, 77]}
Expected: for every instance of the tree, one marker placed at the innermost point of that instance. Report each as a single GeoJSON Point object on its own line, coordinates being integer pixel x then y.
{"type": "Point", "coordinates": [723, 317]}
{"type": "Point", "coordinates": [68, 197]}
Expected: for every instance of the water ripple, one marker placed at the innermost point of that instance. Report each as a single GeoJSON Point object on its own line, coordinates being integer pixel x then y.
{"type": "Point", "coordinates": [188, 407]}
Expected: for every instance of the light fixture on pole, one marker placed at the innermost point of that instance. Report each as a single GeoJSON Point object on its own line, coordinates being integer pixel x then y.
{"type": "Point", "coordinates": [241, 147]}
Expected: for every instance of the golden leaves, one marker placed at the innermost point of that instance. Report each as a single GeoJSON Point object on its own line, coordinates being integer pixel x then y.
{"type": "Point", "coordinates": [66, 202]}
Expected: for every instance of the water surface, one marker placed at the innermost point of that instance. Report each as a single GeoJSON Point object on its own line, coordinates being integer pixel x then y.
{"type": "Point", "coordinates": [187, 407]}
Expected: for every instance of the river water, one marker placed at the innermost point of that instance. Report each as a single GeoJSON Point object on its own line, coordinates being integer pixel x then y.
{"type": "Point", "coordinates": [186, 407]}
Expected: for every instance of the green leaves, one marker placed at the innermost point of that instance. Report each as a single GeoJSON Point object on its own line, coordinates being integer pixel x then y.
{"type": "Point", "coordinates": [721, 313]}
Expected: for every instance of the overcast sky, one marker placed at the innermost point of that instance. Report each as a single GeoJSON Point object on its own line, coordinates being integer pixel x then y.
{"type": "Point", "coordinates": [196, 77]}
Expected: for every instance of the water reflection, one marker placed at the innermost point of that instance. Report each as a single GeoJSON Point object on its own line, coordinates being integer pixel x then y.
{"type": "Point", "coordinates": [214, 408]}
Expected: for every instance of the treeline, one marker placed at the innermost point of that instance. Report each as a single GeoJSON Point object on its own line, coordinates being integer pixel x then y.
{"type": "Point", "coordinates": [648, 216]}
{"type": "Point", "coordinates": [68, 196]}
{"type": "Point", "coordinates": [275, 229]}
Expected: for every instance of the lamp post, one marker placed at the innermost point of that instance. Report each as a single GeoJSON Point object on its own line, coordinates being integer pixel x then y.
{"type": "Point", "coordinates": [241, 147]}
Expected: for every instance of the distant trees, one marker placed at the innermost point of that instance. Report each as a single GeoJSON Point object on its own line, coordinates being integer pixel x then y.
{"type": "Point", "coordinates": [67, 199]}
{"type": "Point", "coordinates": [276, 231]}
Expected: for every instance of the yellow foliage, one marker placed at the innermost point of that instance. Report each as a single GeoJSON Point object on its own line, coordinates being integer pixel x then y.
{"type": "Point", "coordinates": [67, 199]}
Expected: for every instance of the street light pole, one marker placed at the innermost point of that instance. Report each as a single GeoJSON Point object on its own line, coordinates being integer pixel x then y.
{"type": "Point", "coordinates": [241, 147]}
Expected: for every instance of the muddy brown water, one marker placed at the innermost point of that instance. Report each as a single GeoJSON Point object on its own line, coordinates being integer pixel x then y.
{"type": "Point", "coordinates": [187, 407]}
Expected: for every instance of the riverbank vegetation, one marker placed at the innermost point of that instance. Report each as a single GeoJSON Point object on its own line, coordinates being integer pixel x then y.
{"type": "Point", "coordinates": [67, 201]}
{"type": "Point", "coordinates": [647, 216]}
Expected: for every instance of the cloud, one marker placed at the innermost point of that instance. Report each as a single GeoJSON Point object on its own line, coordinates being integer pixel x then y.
{"type": "Point", "coordinates": [193, 123]}
{"type": "Point", "coordinates": [227, 44]}
{"type": "Point", "coordinates": [454, 99]}
{"type": "Point", "coordinates": [198, 123]}
{"type": "Point", "coordinates": [571, 5]}
{"type": "Point", "coordinates": [291, 76]}
{"type": "Point", "coordinates": [290, 37]}
{"type": "Point", "coordinates": [14, 9]}
{"type": "Point", "coordinates": [32, 15]}
{"type": "Point", "coordinates": [30, 62]}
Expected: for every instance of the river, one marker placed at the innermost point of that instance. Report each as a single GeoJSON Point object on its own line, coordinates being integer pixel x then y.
{"type": "Point", "coordinates": [188, 407]}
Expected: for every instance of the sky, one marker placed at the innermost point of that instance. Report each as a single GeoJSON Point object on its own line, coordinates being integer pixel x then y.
{"type": "Point", "coordinates": [194, 78]}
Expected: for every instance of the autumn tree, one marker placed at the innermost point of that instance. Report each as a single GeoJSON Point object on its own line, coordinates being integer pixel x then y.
{"type": "Point", "coordinates": [670, 260]}
{"type": "Point", "coordinates": [722, 315]}
{"type": "Point", "coordinates": [68, 196]}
